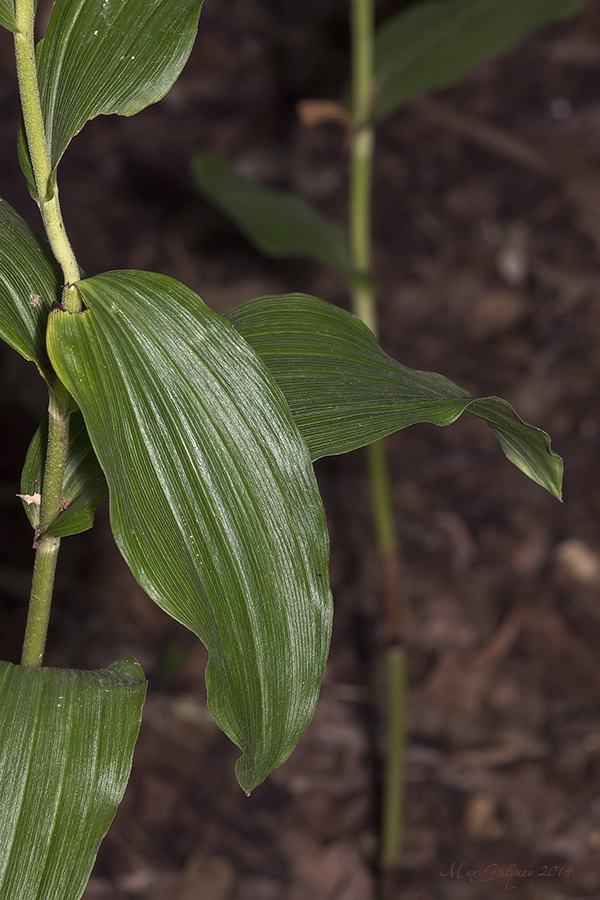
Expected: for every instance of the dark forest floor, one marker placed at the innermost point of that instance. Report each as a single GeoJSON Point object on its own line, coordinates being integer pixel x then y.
{"type": "Point", "coordinates": [487, 247]}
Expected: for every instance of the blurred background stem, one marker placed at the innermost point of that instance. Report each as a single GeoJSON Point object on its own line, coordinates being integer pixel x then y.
{"type": "Point", "coordinates": [363, 303]}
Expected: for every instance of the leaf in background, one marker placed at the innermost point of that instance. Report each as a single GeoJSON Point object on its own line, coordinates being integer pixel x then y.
{"type": "Point", "coordinates": [345, 392]}
{"type": "Point", "coordinates": [66, 746]}
{"type": "Point", "coordinates": [30, 281]}
{"type": "Point", "coordinates": [84, 484]}
{"type": "Point", "coordinates": [213, 499]}
{"type": "Point", "coordinates": [277, 222]}
{"type": "Point", "coordinates": [109, 56]}
{"type": "Point", "coordinates": [433, 44]}
{"type": "Point", "coordinates": [7, 15]}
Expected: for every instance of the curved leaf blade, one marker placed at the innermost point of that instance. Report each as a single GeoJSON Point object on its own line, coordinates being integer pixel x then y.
{"type": "Point", "coordinates": [7, 15]}
{"type": "Point", "coordinates": [213, 500]}
{"type": "Point", "coordinates": [30, 281]}
{"type": "Point", "coordinates": [109, 56]}
{"type": "Point", "coordinates": [276, 222]}
{"type": "Point", "coordinates": [345, 392]}
{"type": "Point", "coordinates": [84, 486]}
{"type": "Point", "coordinates": [66, 746]}
{"type": "Point", "coordinates": [433, 44]}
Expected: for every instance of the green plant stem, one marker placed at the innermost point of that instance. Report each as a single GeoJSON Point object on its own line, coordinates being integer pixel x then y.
{"type": "Point", "coordinates": [391, 828]}
{"type": "Point", "coordinates": [40, 601]}
{"type": "Point", "coordinates": [46, 544]}
{"type": "Point", "coordinates": [361, 161]}
{"type": "Point", "coordinates": [37, 142]}
{"type": "Point", "coordinates": [363, 303]}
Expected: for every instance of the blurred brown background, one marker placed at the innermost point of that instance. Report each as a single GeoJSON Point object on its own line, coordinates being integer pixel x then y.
{"type": "Point", "coordinates": [487, 251]}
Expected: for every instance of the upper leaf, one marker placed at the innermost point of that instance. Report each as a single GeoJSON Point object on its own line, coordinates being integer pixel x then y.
{"type": "Point", "coordinates": [433, 44]}
{"type": "Point", "coordinates": [277, 222]}
{"type": "Point", "coordinates": [66, 745]}
{"type": "Point", "coordinates": [213, 500]}
{"type": "Point", "coordinates": [109, 56]}
{"type": "Point", "coordinates": [7, 15]}
{"type": "Point", "coordinates": [84, 485]}
{"type": "Point", "coordinates": [30, 281]}
{"type": "Point", "coordinates": [345, 392]}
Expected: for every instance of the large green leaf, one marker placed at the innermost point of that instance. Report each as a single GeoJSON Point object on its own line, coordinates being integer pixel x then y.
{"type": "Point", "coordinates": [213, 500]}
{"type": "Point", "coordinates": [30, 281]}
{"type": "Point", "coordinates": [345, 392]}
{"type": "Point", "coordinates": [7, 15]}
{"type": "Point", "coordinates": [84, 485]}
{"type": "Point", "coordinates": [109, 56]}
{"type": "Point", "coordinates": [433, 44]}
{"type": "Point", "coordinates": [277, 222]}
{"type": "Point", "coordinates": [66, 745]}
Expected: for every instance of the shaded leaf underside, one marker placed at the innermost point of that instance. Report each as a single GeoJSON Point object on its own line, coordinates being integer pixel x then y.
{"type": "Point", "coordinates": [84, 485]}
{"type": "Point", "coordinates": [30, 282]}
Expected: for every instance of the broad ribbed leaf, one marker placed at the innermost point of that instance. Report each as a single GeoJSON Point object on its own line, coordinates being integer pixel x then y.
{"type": "Point", "coordinates": [109, 56]}
{"type": "Point", "coordinates": [213, 500]}
{"type": "Point", "coordinates": [84, 485]}
{"type": "Point", "coordinates": [30, 281]}
{"type": "Point", "coordinates": [277, 222]}
{"type": "Point", "coordinates": [7, 15]}
{"type": "Point", "coordinates": [345, 392]}
{"type": "Point", "coordinates": [66, 745]}
{"type": "Point", "coordinates": [433, 44]}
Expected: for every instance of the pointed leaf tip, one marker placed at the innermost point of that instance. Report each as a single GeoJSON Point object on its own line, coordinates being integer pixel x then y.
{"type": "Point", "coordinates": [345, 392]}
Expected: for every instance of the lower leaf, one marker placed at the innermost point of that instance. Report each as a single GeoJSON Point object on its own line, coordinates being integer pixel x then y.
{"type": "Point", "coordinates": [66, 746]}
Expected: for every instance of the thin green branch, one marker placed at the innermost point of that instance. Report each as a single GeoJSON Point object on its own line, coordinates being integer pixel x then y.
{"type": "Point", "coordinates": [395, 775]}
{"type": "Point", "coordinates": [363, 302]}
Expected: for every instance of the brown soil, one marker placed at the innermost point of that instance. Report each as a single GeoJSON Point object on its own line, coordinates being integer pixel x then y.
{"type": "Point", "coordinates": [487, 245]}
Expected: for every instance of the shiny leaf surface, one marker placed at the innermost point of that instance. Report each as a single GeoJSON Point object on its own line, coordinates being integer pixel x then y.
{"type": "Point", "coordinates": [345, 392]}
{"type": "Point", "coordinates": [433, 44]}
{"type": "Point", "coordinates": [109, 56]}
{"type": "Point", "coordinates": [66, 745]}
{"type": "Point", "coordinates": [213, 500]}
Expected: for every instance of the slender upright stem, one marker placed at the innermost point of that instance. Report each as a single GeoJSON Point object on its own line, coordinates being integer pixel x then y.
{"type": "Point", "coordinates": [363, 302]}
{"type": "Point", "coordinates": [37, 143]}
{"type": "Point", "coordinates": [361, 161]}
{"type": "Point", "coordinates": [395, 769]}
{"type": "Point", "coordinates": [46, 545]}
